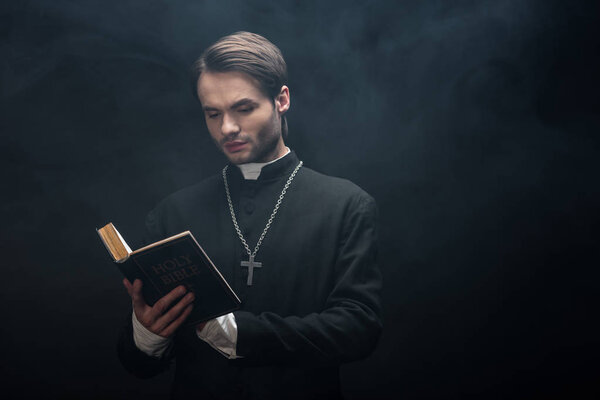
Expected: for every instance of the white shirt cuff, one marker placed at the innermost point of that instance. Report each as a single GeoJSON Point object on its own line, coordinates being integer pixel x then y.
{"type": "Point", "coordinates": [148, 342]}
{"type": "Point", "coordinates": [221, 334]}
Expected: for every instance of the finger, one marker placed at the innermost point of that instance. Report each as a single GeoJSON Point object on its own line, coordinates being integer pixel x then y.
{"type": "Point", "coordinates": [163, 321]}
{"type": "Point", "coordinates": [171, 328]}
{"type": "Point", "coordinates": [162, 305]}
{"type": "Point", "coordinates": [136, 295]}
{"type": "Point", "coordinates": [128, 286]}
{"type": "Point", "coordinates": [200, 326]}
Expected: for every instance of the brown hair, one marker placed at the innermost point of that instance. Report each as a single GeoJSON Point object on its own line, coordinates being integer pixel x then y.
{"type": "Point", "coordinates": [248, 53]}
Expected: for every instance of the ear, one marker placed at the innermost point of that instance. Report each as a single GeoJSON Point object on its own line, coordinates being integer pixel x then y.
{"type": "Point", "coordinates": [282, 101]}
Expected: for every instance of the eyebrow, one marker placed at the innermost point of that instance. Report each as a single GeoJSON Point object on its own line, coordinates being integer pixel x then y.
{"type": "Point", "coordinates": [243, 102]}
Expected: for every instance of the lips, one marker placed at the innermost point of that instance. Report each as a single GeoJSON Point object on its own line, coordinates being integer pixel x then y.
{"type": "Point", "coordinates": [234, 146]}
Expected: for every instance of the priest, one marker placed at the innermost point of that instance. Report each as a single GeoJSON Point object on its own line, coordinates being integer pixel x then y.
{"type": "Point", "coordinates": [297, 246]}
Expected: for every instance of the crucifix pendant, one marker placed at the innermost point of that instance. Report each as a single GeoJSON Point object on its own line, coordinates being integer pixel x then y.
{"type": "Point", "coordinates": [251, 264]}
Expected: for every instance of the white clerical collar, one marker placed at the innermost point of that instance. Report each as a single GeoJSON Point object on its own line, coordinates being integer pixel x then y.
{"type": "Point", "coordinates": [251, 171]}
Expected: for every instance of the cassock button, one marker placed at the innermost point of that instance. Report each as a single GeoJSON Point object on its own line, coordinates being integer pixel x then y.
{"type": "Point", "coordinates": [249, 208]}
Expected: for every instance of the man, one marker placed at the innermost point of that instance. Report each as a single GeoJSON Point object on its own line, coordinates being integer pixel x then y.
{"type": "Point", "coordinates": [298, 248]}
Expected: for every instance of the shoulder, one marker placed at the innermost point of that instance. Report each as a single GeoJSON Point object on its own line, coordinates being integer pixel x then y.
{"type": "Point", "coordinates": [173, 213]}
{"type": "Point", "coordinates": [194, 194]}
{"type": "Point", "coordinates": [330, 188]}
{"type": "Point", "coordinates": [189, 200]}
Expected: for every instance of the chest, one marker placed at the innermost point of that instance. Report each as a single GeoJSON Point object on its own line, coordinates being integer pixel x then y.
{"type": "Point", "coordinates": [297, 252]}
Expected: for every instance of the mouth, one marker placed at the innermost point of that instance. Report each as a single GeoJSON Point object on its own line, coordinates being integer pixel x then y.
{"type": "Point", "coordinates": [234, 146]}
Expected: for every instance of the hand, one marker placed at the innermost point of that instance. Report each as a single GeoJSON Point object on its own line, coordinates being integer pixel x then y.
{"type": "Point", "coordinates": [200, 326]}
{"type": "Point", "coordinates": [159, 319]}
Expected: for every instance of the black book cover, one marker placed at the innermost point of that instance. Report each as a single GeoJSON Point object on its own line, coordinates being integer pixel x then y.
{"type": "Point", "coordinates": [181, 261]}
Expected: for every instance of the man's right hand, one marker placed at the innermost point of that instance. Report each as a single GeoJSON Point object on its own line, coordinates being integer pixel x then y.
{"type": "Point", "coordinates": [160, 319]}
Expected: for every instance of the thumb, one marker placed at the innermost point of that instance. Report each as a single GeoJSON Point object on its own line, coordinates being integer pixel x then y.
{"type": "Point", "coordinates": [128, 287]}
{"type": "Point", "coordinates": [136, 295]}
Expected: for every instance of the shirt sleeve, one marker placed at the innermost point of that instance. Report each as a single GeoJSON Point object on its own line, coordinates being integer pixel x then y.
{"type": "Point", "coordinates": [136, 361]}
{"type": "Point", "coordinates": [150, 343]}
{"type": "Point", "coordinates": [221, 334]}
{"type": "Point", "coordinates": [349, 326]}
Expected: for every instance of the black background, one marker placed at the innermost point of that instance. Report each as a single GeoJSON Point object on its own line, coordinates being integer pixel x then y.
{"type": "Point", "coordinates": [473, 124]}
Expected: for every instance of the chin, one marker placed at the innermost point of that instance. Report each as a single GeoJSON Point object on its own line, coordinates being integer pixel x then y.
{"type": "Point", "coordinates": [239, 158]}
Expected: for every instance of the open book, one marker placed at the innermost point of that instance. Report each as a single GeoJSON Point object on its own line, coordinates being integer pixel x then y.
{"type": "Point", "coordinates": [168, 263]}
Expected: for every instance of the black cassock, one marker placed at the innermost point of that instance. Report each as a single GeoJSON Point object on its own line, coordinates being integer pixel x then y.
{"type": "Point", "coordinates": [313, 304]}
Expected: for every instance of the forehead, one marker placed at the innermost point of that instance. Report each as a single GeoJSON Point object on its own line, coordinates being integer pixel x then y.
{"type": "Point", "coordinates": [220, 89]}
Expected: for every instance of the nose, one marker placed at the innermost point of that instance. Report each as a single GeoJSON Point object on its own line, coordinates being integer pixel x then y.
{"type": "Point", "coordinates": [229, 126]}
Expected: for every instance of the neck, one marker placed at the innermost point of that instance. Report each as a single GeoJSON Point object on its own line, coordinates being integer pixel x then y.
{"type": "Point", "coordinates": [279, 151]}
{"type": "Point", "coordinates": [251, 171]}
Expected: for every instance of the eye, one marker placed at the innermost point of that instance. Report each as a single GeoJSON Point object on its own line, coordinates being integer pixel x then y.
{"type": "Point", "coordinates": [246, 110]}
{"type": "Point", "coordinates": [212, 115]}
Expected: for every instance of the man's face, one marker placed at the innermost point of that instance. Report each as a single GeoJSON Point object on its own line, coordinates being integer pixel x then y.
{"type": "Point", "coordinates": [244, 123]}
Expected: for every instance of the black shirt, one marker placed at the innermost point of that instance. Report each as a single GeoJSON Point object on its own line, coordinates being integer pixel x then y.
{"type": "Point", "coordinates": [314, 303]}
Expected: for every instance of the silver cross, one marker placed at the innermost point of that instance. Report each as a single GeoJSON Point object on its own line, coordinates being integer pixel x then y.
{"type": "Point", "coordinates": [251, 264]}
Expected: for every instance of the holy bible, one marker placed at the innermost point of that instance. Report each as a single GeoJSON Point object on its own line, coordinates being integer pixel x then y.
{"type": "Point", "coordinates": [168, 263]}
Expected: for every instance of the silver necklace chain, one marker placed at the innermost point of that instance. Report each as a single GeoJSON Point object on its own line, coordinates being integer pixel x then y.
{"type": "Point", "coordinates": [264, 233]}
